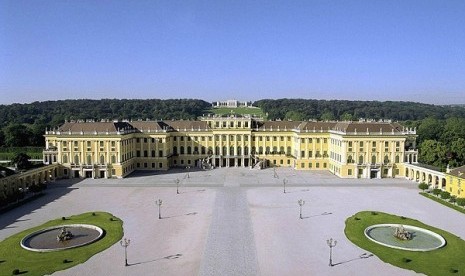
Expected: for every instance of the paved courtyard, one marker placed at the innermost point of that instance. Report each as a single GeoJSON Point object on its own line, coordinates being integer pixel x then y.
{"type": "Point", "coordinates": [232, 221]}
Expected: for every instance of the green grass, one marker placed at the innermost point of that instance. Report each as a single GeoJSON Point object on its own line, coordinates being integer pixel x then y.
{"type": "Point", "coordinates": [444, 202]}
{"type": "Point", "coordinates": [13, 256]}
{"type": "Point", "coordinates": [9, 153]}
{"type": "Point", "coordinates": [240, 111]}
{"type": "Point", "coordinates": [447, 260]}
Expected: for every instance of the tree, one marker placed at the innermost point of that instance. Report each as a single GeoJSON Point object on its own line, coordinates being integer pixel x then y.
{"type": "Point", "coordinates": [423, 186]}
{"type": "Point", "coordinates": [436, 191]}
{"type": "Point", "coordinates": [327, 116]}
{"type": "Point", "coordinates": [434, 153]}
{"type": "Point", "coordinates": [21, 161]}
{"type": "Point", "coordinates": [461, 201]}
{"type": "Point", "coordinates": [17, 135]}
{"type": "Point", "coordinates": [458, 151]}
{"type": "Point", "coordinates": [294, 116]}
{"type": "Point", "coordinates": [445, 195]}
{"type": "Point", "coordinates": [347, 117]}
{"type": "Point", "coordinates": [430, 129]}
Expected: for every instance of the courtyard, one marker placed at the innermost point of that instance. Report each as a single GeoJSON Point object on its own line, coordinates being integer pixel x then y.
{"type": "Point", "coordinates": [232, 221]}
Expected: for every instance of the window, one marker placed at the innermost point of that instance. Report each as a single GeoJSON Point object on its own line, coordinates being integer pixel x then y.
{"type": "Point", "coordinates": [146, 154]}
{"type": "Point", "coordinates": [349, 171]}
{"type": "Point", "coordinates": [302, 165]}
{"type": "Point", "coordinates": [302, 154]}
{"type": "Point", "coordinates": [310, 154]}
{"type": "Point", "coordinates": [65, 158]}
{"type": "Point", "coordinates": [153, 153]}
{"type": "Point", "coordinates": [145, 140]}
{"type": "Point", "coordinates": [113, 159]}
{"type": "Point", "coordinates": [318, 140]}
{"type": "Point", "coordinates": [317, 165]}
{"type": "Point", "coordinates": [102, 159]}
{"type": "Point", "coordinates": [138, 153]}
{"type": "Point", "coordinates": [325, 140]}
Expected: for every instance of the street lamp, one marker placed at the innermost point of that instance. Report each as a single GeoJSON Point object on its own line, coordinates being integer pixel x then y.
{"type": "Point", "coordinates": [331, 243]}
{"type": "Point", "coordinates": [159, 203]}
{"type": "Point", "coordinates": [284, 184]}
{"type": "Point", "coordinates": [177, 185]}
{"type": "Point", "coordinates": [125, 243]}
{"type": "Point", "coordinates": [188, 168]}
{"type": "Point", "coordinates": [301, 203]}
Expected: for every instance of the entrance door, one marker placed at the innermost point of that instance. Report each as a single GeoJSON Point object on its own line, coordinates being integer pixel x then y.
{"type": "Point", "coordinates": [102, 174]}
{"type": "Point", "coordinates": [88, 174]}
{"type": "Point", "coordinates": [374, 173]}
{"type": "Point", "coordinates": [76, 174]}
{"type": "Point", "coordinates": [246, 162]}
{"type": "Point", "coordinates": [239, 162]}
{"type": "Point", "coordinates": [231, 162]}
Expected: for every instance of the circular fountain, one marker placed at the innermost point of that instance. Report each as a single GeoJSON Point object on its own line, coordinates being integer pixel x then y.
{"type": "Point", "coordinates": [61, 237]}
{"type": "Point", "coordinates": [404, 237]}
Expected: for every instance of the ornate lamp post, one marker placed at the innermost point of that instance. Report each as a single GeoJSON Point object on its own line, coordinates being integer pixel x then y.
{"type": "Point", "coordinates": [301, 203]}
{"type": "Point", "coordinates": [125, 243]}
{"type": "Point", "coordinates": [177, 185]}
{"type": "Point", "coordinates": [159, 203]}
{"type": "Point", "coordinates": [331, 243]}
{"type": "Point", "coordinates": [284, 184]}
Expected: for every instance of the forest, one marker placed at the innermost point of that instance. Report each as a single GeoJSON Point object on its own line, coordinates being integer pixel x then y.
{"type": "Point", "coordinates": [440, 129]}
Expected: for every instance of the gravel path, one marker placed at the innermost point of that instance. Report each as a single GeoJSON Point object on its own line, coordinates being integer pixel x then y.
{"type": "Point", "coordinates": [230, 247]}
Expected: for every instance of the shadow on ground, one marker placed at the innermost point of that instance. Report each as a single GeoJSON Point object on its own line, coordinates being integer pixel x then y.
{"type": "Point", "coordinates": [54, 191]}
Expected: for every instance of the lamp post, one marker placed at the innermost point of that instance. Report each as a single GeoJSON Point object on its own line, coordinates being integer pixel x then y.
{"type": "Point", "coordinates": [125, 243]}
{"type": "Point", "coordinates": [188, 168]}
{"type": "Point", "coordinates": [177, 186]}
{"type": "Point", "coordinates": [284, 184]}
{"type": "Point", "coordinates": [301, 203]}
{"type": "Point", "coordinates": [159, 203]}
{"type": "Point", "coordinates": [331, 243]}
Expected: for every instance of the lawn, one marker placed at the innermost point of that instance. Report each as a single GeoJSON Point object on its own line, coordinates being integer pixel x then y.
{"type": "Point", "coordinates": [13, 256]}
{"type": "Point", "coordinates": [444, 261]}
{"type": "Point", "coordinates": [239, 111]}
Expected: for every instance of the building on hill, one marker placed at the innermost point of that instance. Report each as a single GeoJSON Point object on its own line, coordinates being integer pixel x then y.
{"type": "Point", "coordinates": [232, 104]}
{"type": "Point", "coordinates": [115, 149]}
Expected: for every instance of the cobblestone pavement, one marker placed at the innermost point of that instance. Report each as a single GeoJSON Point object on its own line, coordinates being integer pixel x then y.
{"type": "Point", "coordinates": [230, 247]}
{"type": "Point", "coordinates": [232, 221]}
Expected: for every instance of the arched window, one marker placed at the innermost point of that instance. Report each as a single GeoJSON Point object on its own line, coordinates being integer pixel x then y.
{"type": "Point", "coordinates": [89, 159]}
{"type": "Point", "coordinates": [239, 151]}
{"type": "Point", "coordinates": [373, 159]}
{"type": "Point", "coordinates": [360, 159]}
{"type": "Point", "coordinates": [281, 150]}
{"type": "Point", "coordinates": [267, 150]}
{"type": "Point", "coordinates": [397, 158]}
{"type": "Point", "coordinates": [288, 151]}
{"type": "Point", "coordinates": [175, 150]}
{"type": "Point", "coordinates": [224, 152]}
{"type": "Point", "coordinates": [181, 150]}
{"type": "Point", "coordinates": [231, 150]}
{"type": "Point", "coordinates": [76, 159]}
{"type": "Point", "coordinates": [189, 150]}
{"type": "Point", "coordinates": [386, 159]}
{"type": "Point", "coordinates": [203, 150]}
{"type": "Point", "coordinates": [65, 158]}
{"type": "Point", "coordinates": [246, 150]}
{"type": "Point", "coordinates": [260, 150]}
{"type": "Point", "coordinates": [113, 159]}
{"type": "Point", "coordinates": [349, 159]}
{"type": "Point", "coordinates": [210, 150]}
{"type": "Point", "coordinates": [102, 159]}
{"type": "Point", "coordinates": [217, 150]}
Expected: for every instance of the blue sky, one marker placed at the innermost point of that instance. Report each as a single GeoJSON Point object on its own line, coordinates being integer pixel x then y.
{"type": "Point", "coordinates": [246, 50]}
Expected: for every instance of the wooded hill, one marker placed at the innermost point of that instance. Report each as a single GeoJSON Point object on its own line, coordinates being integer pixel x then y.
{"type": "Point", "coordinates": [440, 128]}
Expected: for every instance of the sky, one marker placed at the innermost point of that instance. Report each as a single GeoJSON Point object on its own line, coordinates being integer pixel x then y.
{"type": "Point", "coordinates": [245, 50]}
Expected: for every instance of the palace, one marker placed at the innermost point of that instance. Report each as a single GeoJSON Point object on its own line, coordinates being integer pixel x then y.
{"type": "Point", "coordinates": [106, 149]}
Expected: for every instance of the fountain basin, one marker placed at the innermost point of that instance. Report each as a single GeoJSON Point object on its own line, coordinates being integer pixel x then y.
{"type": "Point", "coordinates": [423, 239]}
{"type": "Point", "coordinates": [45, 240]}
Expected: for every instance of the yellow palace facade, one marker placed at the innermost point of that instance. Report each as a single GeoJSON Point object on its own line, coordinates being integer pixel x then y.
{"type": "Point", "coordinates": [106, 149]}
